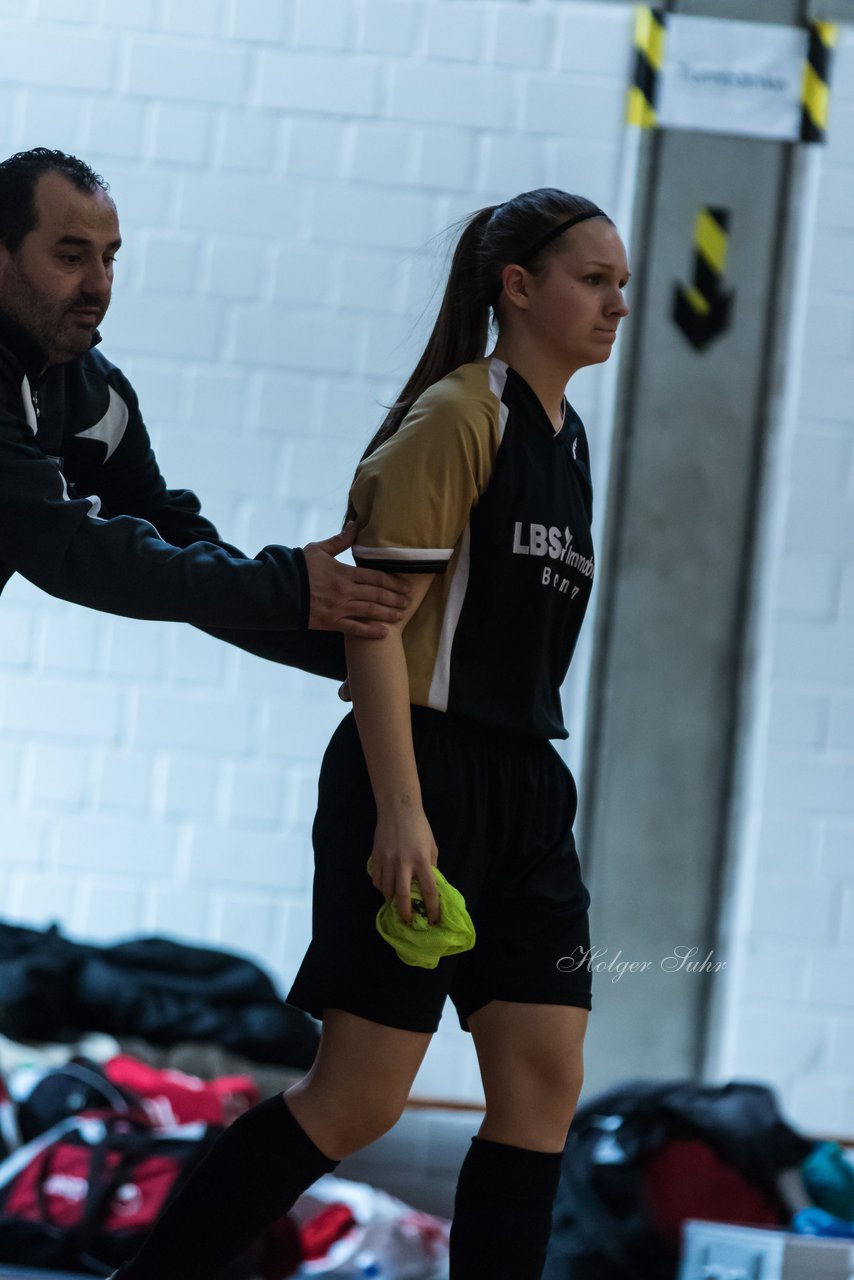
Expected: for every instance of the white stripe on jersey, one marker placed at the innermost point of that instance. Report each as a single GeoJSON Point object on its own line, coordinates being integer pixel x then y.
{"type": "Point", "coordinates": [441, 680]}
{"type": "Point", "coordinates": [497, 379]}
{"type": "Point", "coordinates": [440, 683]}
{"type": "Point", "coordinates": [402, 553]}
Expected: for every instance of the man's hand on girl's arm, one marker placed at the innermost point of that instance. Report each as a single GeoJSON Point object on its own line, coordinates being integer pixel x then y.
{"type": "Point", "coordinates": [344, 598]}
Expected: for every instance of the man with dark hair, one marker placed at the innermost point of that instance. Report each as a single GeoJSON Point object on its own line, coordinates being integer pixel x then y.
{"type": "Point", "coordinates": [84, 511]}
{"type": "Point", "coordinates": [18, 177]}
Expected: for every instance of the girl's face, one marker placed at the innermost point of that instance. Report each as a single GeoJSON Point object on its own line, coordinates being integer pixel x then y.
{"type": "Point", "coordinates": [575, 304]}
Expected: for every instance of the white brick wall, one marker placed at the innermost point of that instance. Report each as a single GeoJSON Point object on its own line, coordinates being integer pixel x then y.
{"type": "Point", "coordinates": [788, 1012]}
{"type": "Point", "coordinates": [280, 168]}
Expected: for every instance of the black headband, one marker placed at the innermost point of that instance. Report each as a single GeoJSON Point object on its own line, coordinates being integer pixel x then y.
{"type": "Point", "coordinates": [557, 231]}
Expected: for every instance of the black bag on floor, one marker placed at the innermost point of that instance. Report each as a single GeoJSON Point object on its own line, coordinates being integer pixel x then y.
{"type": "Point", "coordinates": [77, 1086]}
{"type": "Point", "coordinates": [165, 991]}
{"type": "Point", "coordinates": [608, 1215]}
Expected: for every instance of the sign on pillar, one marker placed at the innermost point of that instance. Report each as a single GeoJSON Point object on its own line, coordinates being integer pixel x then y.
{"type": "Point", "coordinates": [750, 79]}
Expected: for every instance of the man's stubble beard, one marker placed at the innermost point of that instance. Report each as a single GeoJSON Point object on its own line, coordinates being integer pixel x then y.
{"type": "Point", "coordinates": [45, 321]}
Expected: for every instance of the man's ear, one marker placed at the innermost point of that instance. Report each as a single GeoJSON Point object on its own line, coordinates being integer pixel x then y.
{"type": "Point", "coordinates": [515, 281]}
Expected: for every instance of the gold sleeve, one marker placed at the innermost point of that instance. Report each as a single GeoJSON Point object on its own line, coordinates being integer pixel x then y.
{"type": "Point", "coordinates": [413, 496]}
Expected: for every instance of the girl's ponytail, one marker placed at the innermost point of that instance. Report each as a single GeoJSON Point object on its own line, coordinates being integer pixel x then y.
{"type": "Point", "coordinates": [460, 332]}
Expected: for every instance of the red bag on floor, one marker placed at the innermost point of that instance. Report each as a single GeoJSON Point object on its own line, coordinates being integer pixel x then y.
{"type": "Point", "coordinates": [84, 1194]}
{"type": "Point", "coordinates": [173, 1097]}
{"type": "Point", "coordinates": [687, 1179]}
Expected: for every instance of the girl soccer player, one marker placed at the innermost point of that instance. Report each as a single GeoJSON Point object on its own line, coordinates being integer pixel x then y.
{"type": "Point", "coordinates": [477, 485]}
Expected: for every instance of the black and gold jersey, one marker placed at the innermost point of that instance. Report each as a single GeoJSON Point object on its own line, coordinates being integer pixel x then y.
{"type": "Point", "coordinates": [477, 487]}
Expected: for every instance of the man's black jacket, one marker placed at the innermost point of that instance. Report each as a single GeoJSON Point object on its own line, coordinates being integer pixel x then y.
{"type": "Point", "coordinates": [86, 516]}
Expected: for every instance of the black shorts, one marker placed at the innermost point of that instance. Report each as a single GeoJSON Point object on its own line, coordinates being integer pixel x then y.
{"type": "Point", "coordinates": [501, 808]}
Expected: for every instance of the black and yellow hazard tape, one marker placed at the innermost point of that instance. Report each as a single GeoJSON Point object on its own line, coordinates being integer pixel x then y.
{"type": "Point", "coordinates": [702, 309]}
{"type": "Point", "coordinates": [649, 59]}
{"type": "Point", "coordinates": [815, 91]}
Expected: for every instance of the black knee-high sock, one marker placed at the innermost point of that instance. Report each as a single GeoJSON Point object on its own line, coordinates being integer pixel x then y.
{"type": "Point", "coordinates": [254, 1172]}
{"type": "Point", "coordinates": [503, 1212]}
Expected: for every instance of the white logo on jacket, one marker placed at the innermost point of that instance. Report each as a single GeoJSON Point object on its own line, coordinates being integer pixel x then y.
{"type": "Point", "coordinates": [112, 426]}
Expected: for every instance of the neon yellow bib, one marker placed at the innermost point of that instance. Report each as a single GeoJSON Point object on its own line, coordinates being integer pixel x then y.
{"type": "Point", "coordinates": [420, 942]}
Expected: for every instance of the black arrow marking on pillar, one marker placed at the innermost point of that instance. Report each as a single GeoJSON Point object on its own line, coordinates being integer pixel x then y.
{"type": "Point", "coordinates": [703, 309]}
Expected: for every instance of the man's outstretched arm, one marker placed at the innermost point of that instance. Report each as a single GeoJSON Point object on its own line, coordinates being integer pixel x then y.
{"type": "Point", "coordinates": [342, 600]}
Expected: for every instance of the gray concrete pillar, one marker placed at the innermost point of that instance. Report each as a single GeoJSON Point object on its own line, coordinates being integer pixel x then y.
{"type": "Point", "coordinates": [676, 575]}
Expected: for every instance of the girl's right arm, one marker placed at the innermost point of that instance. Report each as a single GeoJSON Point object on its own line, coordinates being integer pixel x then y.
{"type": "Point", "coordinates": [404, 848]}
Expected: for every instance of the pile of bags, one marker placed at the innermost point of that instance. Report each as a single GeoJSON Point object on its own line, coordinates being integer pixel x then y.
{"type": "Point", "coordinates": [94, 1142]}
{"type": "Point", "coordinates": [91, 1153]}
{"type": "Point", "coordinates": [646, 1155]}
